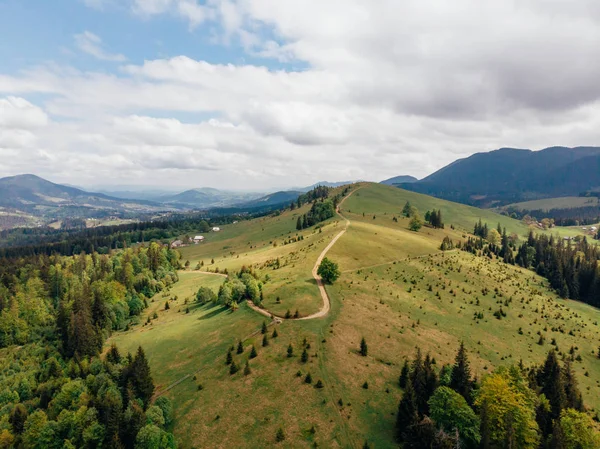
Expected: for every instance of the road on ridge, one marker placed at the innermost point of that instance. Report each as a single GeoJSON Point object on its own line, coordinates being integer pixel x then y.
{"type": "Point", "coordinates": [326, 300]}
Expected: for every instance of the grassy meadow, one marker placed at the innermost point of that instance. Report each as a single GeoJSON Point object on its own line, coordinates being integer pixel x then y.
{"type": "Point", "coordinates": [397, 290]}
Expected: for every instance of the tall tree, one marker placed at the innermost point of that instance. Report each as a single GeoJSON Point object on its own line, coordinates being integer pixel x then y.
{"type": "Point", "coordinates": [460, 379]}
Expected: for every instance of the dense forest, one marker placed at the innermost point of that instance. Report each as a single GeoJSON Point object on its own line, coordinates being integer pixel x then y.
{"type": "Point", "coordinates": [55, 315]}
{"type": "Point", "coordinates": [570, 265]}
{"type": "Point", "coordinates": [578, 216]}
{"type": "Point", "coordinates": [513, 407]}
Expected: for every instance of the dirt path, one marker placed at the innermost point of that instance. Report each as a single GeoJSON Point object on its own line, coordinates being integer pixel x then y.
{"type": "Point", "coordinates": [326, 301]}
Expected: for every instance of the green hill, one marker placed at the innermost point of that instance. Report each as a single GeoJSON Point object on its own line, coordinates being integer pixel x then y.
{"type": "Point", "coordinates": [397, 290]}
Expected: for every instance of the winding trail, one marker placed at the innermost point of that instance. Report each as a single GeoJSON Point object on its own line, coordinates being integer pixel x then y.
{"type": "Point", "coordinates": [326, 300]}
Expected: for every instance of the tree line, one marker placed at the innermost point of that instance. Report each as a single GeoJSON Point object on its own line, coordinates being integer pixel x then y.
{"type": "Point", "coordinates": [513, 407]}
{"type": "Point", "coordinates": [55, 390]}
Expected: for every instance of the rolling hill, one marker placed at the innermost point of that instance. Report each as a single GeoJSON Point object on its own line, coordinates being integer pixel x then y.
{"type": "Point", "coordinates": [511, 175]}
{"type": "Point", "coordinates": [30, 195]}
{"type": "Point", "coordinates": [397, 290]}
{"type": "Point", "coordinates": [206, 197]}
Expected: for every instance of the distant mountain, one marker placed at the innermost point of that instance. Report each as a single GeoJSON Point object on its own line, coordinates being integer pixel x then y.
{"type": "Point", "coordinates": [274, 199]}
{"type": "Point", "coordinates": [206, 197]}
{"type": "Point", "coordinates": [399, 180]}
{"type": "Point", "coordinates": [511, 175]}
{"type": "Point", "coordinates": [39, 197]}
{"type": "Point", "coordinates": [323, 183]}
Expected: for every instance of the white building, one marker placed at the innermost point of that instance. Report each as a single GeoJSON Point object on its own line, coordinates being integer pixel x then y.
{"type": "Point", "coordinates": [198, 239]}
{"type": "Point", "coordinates": [215, 229]}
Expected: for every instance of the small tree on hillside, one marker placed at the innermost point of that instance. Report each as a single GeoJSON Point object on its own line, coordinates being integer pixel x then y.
{"type": "Point", "coordinates": [415, 222]}
{"type": "Point", "coordinates": [329, 271]}
{"type": "Point", "coordinates": [363, 347]}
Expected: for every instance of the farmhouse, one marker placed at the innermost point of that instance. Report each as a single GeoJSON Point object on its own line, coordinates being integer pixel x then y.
{"type": "Point", "coordinates": [215, 229]}
{"type": "Point", "coordinates": [198, 239]}
{"type": "Point", "coordinates": [176, 244]}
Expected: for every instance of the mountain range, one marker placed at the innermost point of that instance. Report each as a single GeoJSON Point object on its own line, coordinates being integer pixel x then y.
{"type": "Point", "coordinates": [511, 175]}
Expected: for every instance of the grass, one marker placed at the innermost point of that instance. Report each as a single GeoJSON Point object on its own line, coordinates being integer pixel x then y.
{"type": "Point", "coordinates": [396, 289]}
{"type": "Point", "coordinates": [568, 202]}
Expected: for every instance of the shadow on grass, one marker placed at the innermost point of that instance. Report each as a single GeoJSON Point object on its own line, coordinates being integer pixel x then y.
{"type": "Point", "coordinates": [311, 281]}
{"type": "Point", "coordinates": [214, 311]}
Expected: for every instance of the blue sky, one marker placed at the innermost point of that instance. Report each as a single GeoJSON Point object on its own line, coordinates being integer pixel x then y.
{"type": "Point", "coordinates": [264, 94]}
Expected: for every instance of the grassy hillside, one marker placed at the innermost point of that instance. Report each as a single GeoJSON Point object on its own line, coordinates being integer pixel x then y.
{"type": "Point", "coordinates": [567, 202]}
{"type": "Point", "coordinates": [396, 289]}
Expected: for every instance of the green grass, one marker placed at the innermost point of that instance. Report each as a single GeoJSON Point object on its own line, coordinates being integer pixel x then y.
{"type": "Point", "coordinates": [383, 295]}
{"type": "Point", "coordinates": [568, 202]}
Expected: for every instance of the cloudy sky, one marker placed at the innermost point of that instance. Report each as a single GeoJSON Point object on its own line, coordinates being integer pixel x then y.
{"type": "Point", "coordinates": [255, 94]}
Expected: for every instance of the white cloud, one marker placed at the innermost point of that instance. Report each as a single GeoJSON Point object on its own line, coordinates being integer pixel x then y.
{"type": "Point", "coordinates": [194, 12]}
{"type": "Point", "coordinates": [390, 88]}
{"type": "Point", "coordinates": [91, 44]}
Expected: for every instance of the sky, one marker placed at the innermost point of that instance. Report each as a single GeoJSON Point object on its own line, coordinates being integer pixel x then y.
{"type": "Point", "coordinates": [259, 94]}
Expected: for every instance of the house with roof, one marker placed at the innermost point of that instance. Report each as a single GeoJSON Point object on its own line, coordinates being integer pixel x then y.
{"type": "Point", "coordinates": [198, 239]}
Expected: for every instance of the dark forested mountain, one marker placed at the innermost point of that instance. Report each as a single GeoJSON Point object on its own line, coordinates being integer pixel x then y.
{"type": "Point", "coordinates": [36, 196]}
{"type": "Point", "coordinates": [399, 180]}
{"type": "Point", "coordinates": [206, 197]}
{"type": "Point", "coordinates": [509, 175]}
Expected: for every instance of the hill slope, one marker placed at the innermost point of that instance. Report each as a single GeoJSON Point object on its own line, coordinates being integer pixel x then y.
{"type": "Point", "coordinates": [511, 175]}
{"type": "Point", "coordinates": [206, 197]}
{"type": "Point", "coordinates": [397, 290]}
{"type": "Point", "coordinates": [40, 197]}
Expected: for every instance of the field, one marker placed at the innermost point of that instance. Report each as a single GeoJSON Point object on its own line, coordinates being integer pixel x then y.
{"type": "Point", "coordinates": [397, 290]}
{"type": "Point", "coordinates": [568, 202]}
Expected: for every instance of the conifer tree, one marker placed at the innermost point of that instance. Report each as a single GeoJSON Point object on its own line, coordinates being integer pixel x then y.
{"type": "Point", "coordinates": [418, 381]}
{"type": "Point", "coordinates": [290, 350]}
{"type": "Point", "coordinates": [240, 347]}
{"type": "Point", "coordinates": [279, 436]}
{"type": "Point", "coordinates": [460, 379]}
{"type": "Point", "coordinates": [319, 384]}
{"type": "Point", "coordinates": [253, 352]}
{"type": "Point", "coordinates": [299, 224]}
{"type": "Point", "coordinates": [363, 347]}
{"type": "Point", "coordinates": [275, 334]}
{"type": "Point", "coordinates": [550, 379]}
{"type": "Point", "coordinates": [229, 357]}
{"type": "Point", "coordinates": [408, 414]}
{"type": "Point", "coordinates": [265, 341]}
{"type": "Point", "coordinates": [113, 355]}
{"type": "Point", "coordinates": [572, 393]}
{"type": "Point", "coordinates": [247, 369]}
{"type": "Point", "coordinates": [308, 378]}
{"type": "Point", "coordinates": [403, 380]}
{"type": "Point", "coordinates": [233, 368]}
{"type": "Point", "coordinates": [263, 330]}
{"type": "Point", "coordinates": [304, 357]}
{"type": "Point", "coordinates": [141, 378]}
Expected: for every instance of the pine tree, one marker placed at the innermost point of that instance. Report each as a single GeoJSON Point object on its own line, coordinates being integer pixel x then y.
{"type": "Point", "coordinates": [113, 355]}
{"type": "Point", "coordinates": [265, 341]}
{"type": "Point", "coordinates": [408, 414]}
{"type": "Point", "coordinates": [253, 352]}
{"type": "Point", "coordinates": [247, 369]}
{"type": "Point", "coordinates": [403, 379]}
{"type": "Point", "coordinates": [418, 381]}
{"type": "Point", "coordinates": [319, 384]}
{"type": "Point", "coordinates": [308, 379]}
{"type": "Point", "coordinates": [141, 378]}
{"type": "Point", "coordinates": [275, 334]}
{"type": "Point", "coordinates": [167, 306]}
{"type": "Point", "coordinates": [550, 379]}
{"type": "Point", "coordinates": [233, 368]}
{"type": "Point", "coordinates": [229, 358]}
{"type": "Point", "coordinates": [263, 330]}
{"type": "Point", "coordinates": [299, 224]}
{"type": "Point", "coordinates": [304, 357]}
{"type": "Point", "coordinates": [290, 351]}
{"type": "Point", "coordinates": [572, 393]}
{"type": "Point", "coordinates": [363, 347]}
{"type": "Point", "coordinates": [279, 436]}
{"type": "Point", "coordinates": [240, 347]}
{"type": "Point", "coordinates": [460, 379]}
